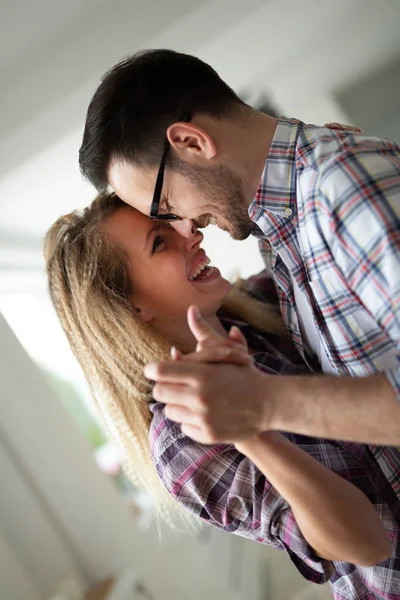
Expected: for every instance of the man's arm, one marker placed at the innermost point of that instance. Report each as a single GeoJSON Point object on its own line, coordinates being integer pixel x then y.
{"type": "Point", "coordinates": [232, 403]}
{"type": "Point", "coordinates": [362, 410]}
{"type": "Point", "coordinates": [229, 402]}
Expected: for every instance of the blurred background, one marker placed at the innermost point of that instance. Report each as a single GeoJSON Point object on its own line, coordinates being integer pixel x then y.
{"type": "Point", "coordinates": [69, 520]}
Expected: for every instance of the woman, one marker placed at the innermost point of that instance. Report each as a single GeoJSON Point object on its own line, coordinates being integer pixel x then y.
{"type": "Point", "coordinates": [121, 284]}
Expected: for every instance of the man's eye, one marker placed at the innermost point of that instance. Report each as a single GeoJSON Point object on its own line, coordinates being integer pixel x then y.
{"type": "Point", "coordinates": [158, 241]}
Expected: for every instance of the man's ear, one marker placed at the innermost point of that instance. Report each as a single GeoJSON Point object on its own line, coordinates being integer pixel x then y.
{"type": "Point", "coordinates": [144, 314]}
{"type": "Point", "coordinates": [191, 142]}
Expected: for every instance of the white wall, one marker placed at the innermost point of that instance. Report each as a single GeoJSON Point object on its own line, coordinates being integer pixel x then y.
{"type": "Point", "coordinates": [15, 580]}
{"type": "Point", "coordinates": [374, 101]}
{"type": "Point", "coordinates": [388, 127]}
{"type": "Point", "coordinates": [29, 527]}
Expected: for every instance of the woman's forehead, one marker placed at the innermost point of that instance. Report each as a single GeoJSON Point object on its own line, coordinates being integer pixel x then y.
{"type": "Point", "coordinates": [128, 226]}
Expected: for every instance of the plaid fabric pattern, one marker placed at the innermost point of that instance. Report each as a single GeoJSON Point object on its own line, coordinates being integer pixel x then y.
{"type": "Point", "coordinates": [328, 214]}
{"type": "Point", "coordinates": [226, 489]}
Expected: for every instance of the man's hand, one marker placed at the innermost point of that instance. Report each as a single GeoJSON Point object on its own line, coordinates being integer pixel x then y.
{"type": "Point", "coordinates": [341, 127]}
{"type": "Point", "coordinates": [213, 402]}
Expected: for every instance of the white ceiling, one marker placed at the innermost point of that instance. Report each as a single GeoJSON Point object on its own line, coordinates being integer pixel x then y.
{"type": "Point", "coordinates": [52, 54]}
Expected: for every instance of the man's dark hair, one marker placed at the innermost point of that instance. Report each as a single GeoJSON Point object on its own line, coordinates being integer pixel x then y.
{"type": "Point", "coordinates": [139, 99]}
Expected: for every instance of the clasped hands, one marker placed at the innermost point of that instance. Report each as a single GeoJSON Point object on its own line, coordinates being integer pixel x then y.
{"type": "Point", "coordinates": [215, 393]}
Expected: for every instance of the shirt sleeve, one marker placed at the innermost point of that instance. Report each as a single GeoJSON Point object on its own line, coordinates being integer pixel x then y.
{"type": "Point", "coordinates": [359, 219]}
{"type": "Point", "coordinates": [226, 489]}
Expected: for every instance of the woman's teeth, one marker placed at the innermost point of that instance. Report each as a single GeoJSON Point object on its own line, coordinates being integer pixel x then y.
{"type": "Point", "coordinates": [212, 221]}
{"type": "Point", "coordinates": [199, 269]}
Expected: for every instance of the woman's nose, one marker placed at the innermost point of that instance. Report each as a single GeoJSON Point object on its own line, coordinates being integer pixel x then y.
{"type": "Point", "coordinates": [186, 227]}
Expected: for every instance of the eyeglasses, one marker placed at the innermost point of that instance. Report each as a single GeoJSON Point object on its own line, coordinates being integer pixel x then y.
{"type": "Point", "coordinates": [155, 205]}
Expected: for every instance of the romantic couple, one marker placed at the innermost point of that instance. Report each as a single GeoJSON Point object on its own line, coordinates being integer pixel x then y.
{"type": "Point", "coordinates": [282, 431]}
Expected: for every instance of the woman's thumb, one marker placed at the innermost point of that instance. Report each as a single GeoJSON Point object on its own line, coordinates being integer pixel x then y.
{"type": "Point", "coordinates": [237, 336]}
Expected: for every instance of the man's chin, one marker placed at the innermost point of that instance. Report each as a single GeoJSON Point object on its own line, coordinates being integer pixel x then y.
{"type": "Point", "coordinates": [240, 233]}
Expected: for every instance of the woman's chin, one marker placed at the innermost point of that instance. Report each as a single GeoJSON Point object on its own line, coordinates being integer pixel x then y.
{"type": "Point", "coordinates": [213, 291]}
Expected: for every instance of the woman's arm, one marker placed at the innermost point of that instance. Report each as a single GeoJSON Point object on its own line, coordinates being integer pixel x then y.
{"type": "Point", "coordinates": [336, 518]}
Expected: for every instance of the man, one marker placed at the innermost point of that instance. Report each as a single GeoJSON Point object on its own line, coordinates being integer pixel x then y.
{"type": "Point", "coordinates": [174, 141]}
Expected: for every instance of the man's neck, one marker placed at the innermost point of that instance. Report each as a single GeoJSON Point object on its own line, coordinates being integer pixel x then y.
{"type": "Point", "coordinates": [243, 144]}
{"type": "Point", "coordinates": [257, 139]}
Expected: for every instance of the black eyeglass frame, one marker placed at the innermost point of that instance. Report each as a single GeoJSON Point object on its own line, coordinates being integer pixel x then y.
{"type": "Point", "coordinates": [155, 205]}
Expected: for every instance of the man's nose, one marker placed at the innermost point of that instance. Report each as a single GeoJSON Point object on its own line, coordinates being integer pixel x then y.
{"type": "Point", "coordinates": [186, 227]}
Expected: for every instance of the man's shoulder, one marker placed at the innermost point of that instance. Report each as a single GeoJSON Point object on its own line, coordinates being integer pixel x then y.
{"type": "Point", "coordinates": [365, 168]}
{"type": "Point", "coordinates": [322, 148]}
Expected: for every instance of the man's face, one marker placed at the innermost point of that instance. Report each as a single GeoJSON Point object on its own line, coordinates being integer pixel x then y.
{"type": "Point", "coordinates": [197, 193]}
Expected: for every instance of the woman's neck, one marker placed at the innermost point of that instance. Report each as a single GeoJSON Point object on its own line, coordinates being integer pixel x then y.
{"type": "Point", "coordinates": [184, 339]}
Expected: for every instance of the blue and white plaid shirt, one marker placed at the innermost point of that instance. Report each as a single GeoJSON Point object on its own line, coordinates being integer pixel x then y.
{"type": "Point", "coordinates": [328, 216]}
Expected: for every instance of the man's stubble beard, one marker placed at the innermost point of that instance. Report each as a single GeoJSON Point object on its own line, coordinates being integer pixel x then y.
{"type": "Point", "coordinates": [222, 189]}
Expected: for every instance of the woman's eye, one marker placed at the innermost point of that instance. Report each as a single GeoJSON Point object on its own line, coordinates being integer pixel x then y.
{"type": "Point", "coordinates": [158, 241]}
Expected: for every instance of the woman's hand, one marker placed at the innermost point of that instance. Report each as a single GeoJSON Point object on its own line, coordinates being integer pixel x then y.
{"type": "Point", "coordinates": [341, 127]}
{"type": "Point", "coordinates": [213, 348]}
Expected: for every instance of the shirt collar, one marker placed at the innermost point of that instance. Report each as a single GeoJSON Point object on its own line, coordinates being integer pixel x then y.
{"type": "Point", "coordinates": [277, 190]}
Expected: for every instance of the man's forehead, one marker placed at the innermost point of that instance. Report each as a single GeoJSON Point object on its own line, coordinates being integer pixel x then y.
{"type": "Point", "coordinates": [126, 174]}
{"type": "Point", "coordinates": [134, 185]}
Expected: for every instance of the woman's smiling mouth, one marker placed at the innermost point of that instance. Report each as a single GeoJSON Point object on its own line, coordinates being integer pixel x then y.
{"type": "Point", "coordinates": [200, 270]}
{"type": "Point", "coordinates": [201, 266]}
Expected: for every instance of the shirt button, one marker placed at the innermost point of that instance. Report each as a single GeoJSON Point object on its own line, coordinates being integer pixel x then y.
{"type": "Point", "coordinates": [288, 212]}
{"type": "Point", "coordinates": [293, 326]}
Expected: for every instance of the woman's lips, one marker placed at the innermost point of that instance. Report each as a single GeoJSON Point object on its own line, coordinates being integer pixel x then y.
{"type": "Point", "coordinates": [197, 260]}
{"type": "Point", "coordinates": [200, 269]}
{"type": "Point", "coordinates": [211, 274]}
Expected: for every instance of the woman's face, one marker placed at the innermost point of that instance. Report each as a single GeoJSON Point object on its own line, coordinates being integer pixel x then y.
{"type": "Point", "coordinates": [166, 268]}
